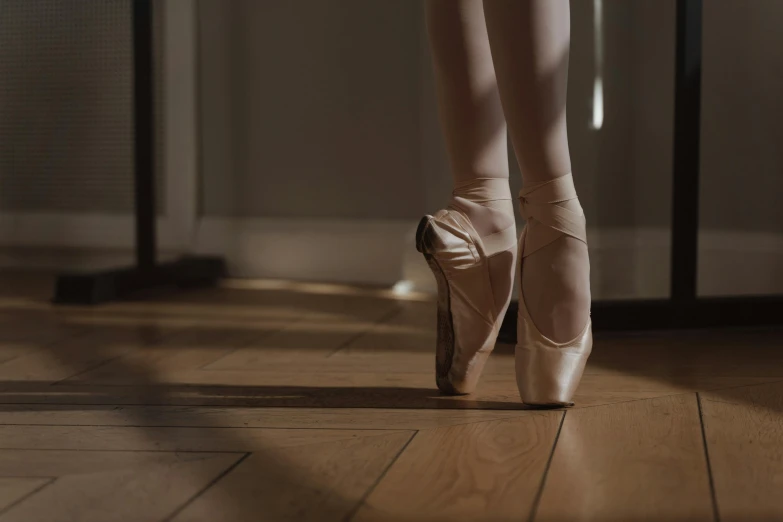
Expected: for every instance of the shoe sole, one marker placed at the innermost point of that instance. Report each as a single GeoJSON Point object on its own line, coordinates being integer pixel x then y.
{"type": "Point", "coordinates": [444, 354]}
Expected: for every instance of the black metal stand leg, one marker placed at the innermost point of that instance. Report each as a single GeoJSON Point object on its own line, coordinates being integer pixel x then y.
{"type": "Point", "coordinates": [685, 168]}
{"type": "Point", "coordinates": [144, 126]}
{"type": "Point", "coordinates": [109, 285]}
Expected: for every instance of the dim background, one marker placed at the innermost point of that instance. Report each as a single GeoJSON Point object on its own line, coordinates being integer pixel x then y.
{"type": "Point", "coordinates": [300, 139]}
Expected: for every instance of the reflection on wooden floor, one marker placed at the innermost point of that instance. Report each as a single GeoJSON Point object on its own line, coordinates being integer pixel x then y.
{"type": "Point", "coordinates": [314, 403]}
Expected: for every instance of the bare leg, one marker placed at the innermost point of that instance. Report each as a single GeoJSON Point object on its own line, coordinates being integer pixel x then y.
{"type": "Point", "coordinates": [530, 42]}
{"type": "Point", "coordinates": [470, 110]}
{"type": "Point", "coordinates": [470, 246]}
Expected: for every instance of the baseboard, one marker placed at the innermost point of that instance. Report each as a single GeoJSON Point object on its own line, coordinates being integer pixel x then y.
{"type": "Point", "coordinates": [71, 259]}
{"type": "Point", "coordinates": [340, 251]}
{"type": "Point", "coordinates": [81, 231]}
{"type": "Point", "coordinates": [625, 262]}
{"type": "Point", "coordinates": [739, 263]}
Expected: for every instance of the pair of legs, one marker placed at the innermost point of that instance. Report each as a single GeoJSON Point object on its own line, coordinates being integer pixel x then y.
{"type": "Point", "coordinates": [503, 64]}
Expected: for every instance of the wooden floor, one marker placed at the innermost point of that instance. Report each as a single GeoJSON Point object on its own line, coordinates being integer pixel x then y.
{"type": "Point", "coordinates": [318, 403]}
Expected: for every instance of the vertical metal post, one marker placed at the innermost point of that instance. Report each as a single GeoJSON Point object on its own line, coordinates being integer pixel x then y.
{"type": "Point", "coordinates": [687, 118]}
{"type": "Point", "coordinates": [144, 137]}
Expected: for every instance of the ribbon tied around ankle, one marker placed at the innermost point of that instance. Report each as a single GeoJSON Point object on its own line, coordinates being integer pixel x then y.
{"type": "Point", "coordinates": [547, 219]}
{"type": "Point", "coordinates": [483, 190]}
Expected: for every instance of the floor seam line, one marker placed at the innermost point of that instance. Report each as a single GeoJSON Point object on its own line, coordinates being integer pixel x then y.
{"type": "Point", "coordinates": [382, 320]}
{"type": "Point", "coordinates": [106, 362]}
{"type": "Point", "coordinates": [713, 496]}
{"type": "Point", "coordinates": [580, 408]}
{"type": "Point", "coordinates": [540, 492]}
{"type": "Point", "coordinates": [206, 488]}
{"type": "Point", "coordinates": [93, 450]}
{"type": "Point", "coordinates": [47, 345]}
{"type": "Point", "coordinates": [249, 343]}
{"type": "Point", "coordinates": [28, 495]}
{"type": "Point", "coordinates": [349, 516]}
{"type": "Point", "coordinates": [210, 427]}
{"type": "Point", "coordinates": [263, 406]}
{"type": "Point", "coordinates": [776, 381]}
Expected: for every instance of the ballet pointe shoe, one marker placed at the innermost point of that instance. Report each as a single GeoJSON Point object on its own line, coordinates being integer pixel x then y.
{"type": "Point", "coordinates": [470, 309]}
{"type": "Point", "coordinates": [548, 372]}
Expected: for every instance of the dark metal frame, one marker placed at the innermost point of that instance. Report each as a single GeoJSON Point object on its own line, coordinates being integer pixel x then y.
{"type": "Point", "coordinates": [684, 309]}
{"type": "Point", "coordinates": [147, 274]}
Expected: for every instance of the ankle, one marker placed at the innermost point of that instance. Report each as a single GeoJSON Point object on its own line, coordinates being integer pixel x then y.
{"type": "Point", "coordinates": [486, 202]}
{"type": "Point", "coordinates": [486, 219]}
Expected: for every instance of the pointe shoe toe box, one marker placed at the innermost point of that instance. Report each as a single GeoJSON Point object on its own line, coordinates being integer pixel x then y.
{"type": "Point", "coordinates": [548, 373]}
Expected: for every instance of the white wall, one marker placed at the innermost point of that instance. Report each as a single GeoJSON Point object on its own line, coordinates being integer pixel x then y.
{"type": "Point", "coordinates": [318, 118]}
{"type": "Point", "coordinates": [323, 108]}
{"type": "Point", "coordinates": [336, 99]}
{"type": "Point", "coordinates": [742, 115]}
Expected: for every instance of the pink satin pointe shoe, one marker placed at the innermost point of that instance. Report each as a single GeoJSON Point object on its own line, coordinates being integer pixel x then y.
{"type": "Point", "coordinates": [470, 306]}
{"type": "Point", "coordinates": [548, 372]}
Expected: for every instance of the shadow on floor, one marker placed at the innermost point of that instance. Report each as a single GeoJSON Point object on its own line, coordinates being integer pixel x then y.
{"type": "Point", "coordinates": [680, 359]}
{"type": "Point", "coordinates": [151, 394]}
{"type": "Point", "coordinates": [265, 466]}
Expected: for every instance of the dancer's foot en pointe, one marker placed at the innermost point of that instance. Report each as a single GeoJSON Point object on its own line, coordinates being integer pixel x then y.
{"type": "Point", "coordinates": [554, 342]}
{"type": "Point", "coordinates": [471, 249]}
{"type": "Point", "coordinates": [530, 42]}
{"type": "Point", "coordinates": [471, 245]}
